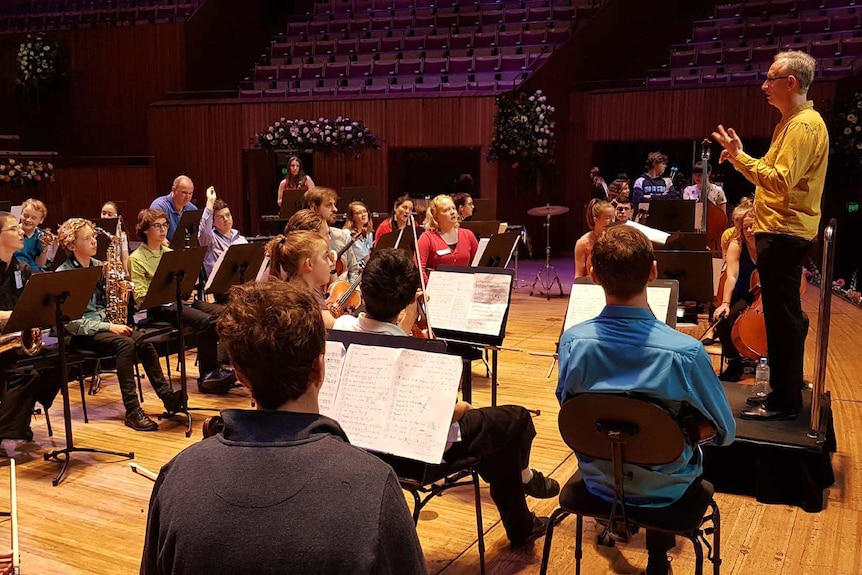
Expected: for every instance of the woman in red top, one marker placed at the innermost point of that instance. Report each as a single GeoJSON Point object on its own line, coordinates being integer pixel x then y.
{"type": "Point", "coordinates": [444, 242]}
{"type": "Point", "coordinates": [400, 216]}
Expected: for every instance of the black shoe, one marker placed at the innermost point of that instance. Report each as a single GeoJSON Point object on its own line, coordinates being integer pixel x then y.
{"type": "Point", "coordinates": [733, 372]}
{"type": "Point", "coordinates": [139, 421]}
{"type": "Point", "coordinates": [173, 401]}
{"type": "Point", "coordinates": [217, 382]}
{"type": "Point", "coordinates": [755, 400]}
{"type": "Point", "coordinates": [541, 487]}
{"type": "Point", "coordinates": [763, 413]}
{"type": "Point", "coordinates": [540, 527]}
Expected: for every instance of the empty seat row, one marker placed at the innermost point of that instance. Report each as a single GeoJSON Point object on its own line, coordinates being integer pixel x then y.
{"type": "Point", "coordinates": [850, 46]}
{"type": "Point", "coordinates": [106, 17]}
{"type": "Point", "coordinates": [342, 29]}
{"type": "Point", "coordinates": [393, 6]}
{"type": "Point", "coordinates": [528, 50]}
{"type": "Point", "coordinates": [738, 77]}
{"type": "Point", "coordinates": [779, 27]}
{"type": "Point", "coordinates": [49, 6]}
{"type": "Point", "coordinates": [448, 88]}
{"type": "Point", "coordinates": [761, 7]}
{"type": "Point", "coordinates": [513, 76]}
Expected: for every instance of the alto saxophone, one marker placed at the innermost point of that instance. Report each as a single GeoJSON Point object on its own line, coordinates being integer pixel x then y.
{"type": "Point", "coordinates": [117, 283]}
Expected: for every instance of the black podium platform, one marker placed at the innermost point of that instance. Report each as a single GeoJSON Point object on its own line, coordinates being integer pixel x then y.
{"type": "Point", "coordinates": [774, 461]}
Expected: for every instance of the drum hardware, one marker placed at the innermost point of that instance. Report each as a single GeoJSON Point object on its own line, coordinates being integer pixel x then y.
{"type": "Point", "coordinates": [543, 277]}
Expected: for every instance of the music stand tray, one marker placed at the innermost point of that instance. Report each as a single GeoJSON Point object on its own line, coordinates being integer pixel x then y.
{"type": "Point", "coordinates": [186, 234]}
{"type": "Point", "coordinates": [54, 299]}
{"type": "Point", "coordinates": [175, 277]}
{"type": "Point", "coordinates": [240, 263]}
{"type": "Point", "coordinates": [693, 271]}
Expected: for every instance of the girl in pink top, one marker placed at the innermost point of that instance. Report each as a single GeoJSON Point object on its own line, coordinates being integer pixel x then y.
{"type": "Point", "coordinates": [444, 242]}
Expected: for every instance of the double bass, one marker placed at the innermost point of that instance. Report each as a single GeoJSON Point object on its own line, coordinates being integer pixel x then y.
{"type": "Point", "coordinates": [714, 219]}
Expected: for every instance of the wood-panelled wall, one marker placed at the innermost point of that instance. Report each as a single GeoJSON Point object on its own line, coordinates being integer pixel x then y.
{"type": "Point", "coordinates": [684, 114]}
{"type": "Point", "coordinates": [205, 140]}
{"type": "Point", "coordinates": [112, 75]}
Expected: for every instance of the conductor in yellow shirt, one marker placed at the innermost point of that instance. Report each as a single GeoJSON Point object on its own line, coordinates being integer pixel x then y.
{"type": "Point", "coordinates": [788, 183]}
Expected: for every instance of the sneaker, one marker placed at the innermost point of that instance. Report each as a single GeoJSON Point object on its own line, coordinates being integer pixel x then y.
{"type": "Point", "coordinates": [540, 527]}
{"type": "Point", "coordinates": [139, 421]}
{"type": "Point", "coordinates": [541, 487]}
{"type": "Point", "coordinates": [173, 401]}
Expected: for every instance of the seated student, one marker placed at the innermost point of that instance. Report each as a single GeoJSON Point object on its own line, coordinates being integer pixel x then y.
{"type": "Point", "coordinates": [109, 212]}
{"type": "Point", "coordinates": [716, 194]}
{"type": "Point", "coordinates": [324, 506]}
{"type": "Point", "coordinates": [735, 229]}
{"type": "Point", "coordinates": [303, 258]}
{"type": "Point", "coordinates": [37, 244]}
{"type": "Point", "coordinates": [151, 228]}
{"type": "Point", "coordinates": [599, 215]}
{"type": "Point", "coordinates": [651, 185]}
{"type": "Point", "coordinates": [94, 331]}
{"type": "Point", "coordinates": [623, 211]}
{"type": "Point", "coordinates": [501, 437]}
{"type": "Point", "coordinates": [322, 201]}
{"type": "Point", "coordinates": [401, 211]}
{"type": "Point", "coordinates": [20, 388]}
{"type": "Point", "coordinates": [216, 231]}
{"type": "Point", "coordinates": [626, 349]}
{"type": "Point", "coordinates": [359, 221]}
{"type": "Point", "coordinates": [445, 242]}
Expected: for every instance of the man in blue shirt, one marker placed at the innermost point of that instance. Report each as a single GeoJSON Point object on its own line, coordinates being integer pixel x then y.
{"type": "Point", "coordinates": [176, 202]}
{"type": "Point", "coordinates": [626, 349]}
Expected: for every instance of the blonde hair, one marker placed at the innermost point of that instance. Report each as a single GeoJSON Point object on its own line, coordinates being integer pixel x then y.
{"type": "Point", "coordinates": [67, 233]}
{"type": "Point", "coordinates": [287, 252]}
{"type": "Point", "coordinates": [800, 65]}
{"type": "Point", "coordinates": [434, 208]}
{"type": "Point", "coordinates": [741, 209]}
{"type": "Point", "coordinates": [594, 211]}
{"type": "Point", "coordinates": [747, 212]}
{"type": "Point", "coordinates": [35, 204]}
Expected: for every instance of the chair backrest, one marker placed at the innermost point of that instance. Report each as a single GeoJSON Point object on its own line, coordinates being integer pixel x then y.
{"type": "Point", "coordinates": [591, 423]}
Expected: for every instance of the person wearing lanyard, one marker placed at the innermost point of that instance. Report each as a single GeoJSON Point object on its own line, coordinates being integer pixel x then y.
{"type": "Point", "coordinates": [445, 243]}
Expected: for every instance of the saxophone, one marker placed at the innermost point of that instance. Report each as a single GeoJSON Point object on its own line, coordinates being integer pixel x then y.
{"type": "Point", "coordinates": [29, 341]}
{"type": "Point", "coordinates": [117, 284]}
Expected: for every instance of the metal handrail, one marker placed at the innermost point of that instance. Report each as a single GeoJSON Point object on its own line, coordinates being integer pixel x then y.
{"type": "Point", "coordinates": [823, 327]}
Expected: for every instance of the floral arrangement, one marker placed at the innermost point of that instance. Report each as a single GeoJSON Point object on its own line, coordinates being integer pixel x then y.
{"type": "Point", "coordinates": [16, 173]}
{"type": "Point", "coordinates": [847, 132]}
{"type": "Point", "coordinates": [37, 60]}
{"type": "Point", "coordinates": [322, 135]}
{"type": "Point", "coordinates": [523, 131]}
{"type": "Point", "coordinates": [850, 293]}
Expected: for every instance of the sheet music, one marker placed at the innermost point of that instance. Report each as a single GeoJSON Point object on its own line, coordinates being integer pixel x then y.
{"type": "Point", "coordinates": [216, 267]}
{"type": "Point", "coordinates": [652, 234]}
{"type": "Point", "coordinates": [333, 361]}
{"type": "Point", "coordinates": [469, 303]}
{"type": "Point", "coordinates": [397, 401]}
{"type": "Point", "coordinates": [588, 300]}
{"type": "Point", "coordinates": [483, 243]}
{"type": "Point", "coordinates": [698, 216]}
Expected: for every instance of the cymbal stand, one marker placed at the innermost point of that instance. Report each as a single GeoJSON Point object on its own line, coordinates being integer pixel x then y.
{"type": "Point", "coordinates": [543, 277]}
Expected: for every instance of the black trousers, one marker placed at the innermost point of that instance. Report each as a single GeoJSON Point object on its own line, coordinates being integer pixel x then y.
{"type": "Point", "coordinates": [724, 329]}
{"type": "Point", "coordinates": [128, 350]}
{"type": "Point", "coordinates": [18, 393]}
{"type": "Point", "coordinates": [501, 438]}
{"type": "Point", "coordinates": [779, 262]}
{"type": "Point", "coordinates": [203, 323]}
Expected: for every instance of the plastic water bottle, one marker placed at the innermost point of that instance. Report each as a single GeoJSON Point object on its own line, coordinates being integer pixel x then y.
{"type": "Point", "coordinates": [761, 385]}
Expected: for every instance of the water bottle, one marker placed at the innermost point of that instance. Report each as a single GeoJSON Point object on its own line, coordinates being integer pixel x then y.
{"type": "Point", "coordinates": [761, 385]}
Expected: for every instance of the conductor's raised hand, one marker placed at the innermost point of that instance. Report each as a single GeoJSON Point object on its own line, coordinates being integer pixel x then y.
{"type": "Point", "coordinates": [729, 140]}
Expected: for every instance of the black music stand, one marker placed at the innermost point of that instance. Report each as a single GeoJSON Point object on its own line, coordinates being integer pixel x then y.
{"type": "Point", "coordinates": [55, 299]}
{"type": "Point", "coordinates": [672, 215]}
{"type": "Point", "coordinates": [499, 251]}
{"type": "Point", "coordinates": [687, 241]}
{"type": "Point", "coordinates": [291, 202]}
{"type": "Point", "coordinates": [175, 276]}
{"type": "Point", "coordinates": [402, 239]}
{"type": "Point", "coordinates": [102, 241]}
{"type": "Point", "coordinates": [482, 229]}
{"type": "Point", "coordinates": [239, 264]}
{"type": "Point", "coordinates": [186, 234]}
{"type": "Point", "coordinates": [693, 271]}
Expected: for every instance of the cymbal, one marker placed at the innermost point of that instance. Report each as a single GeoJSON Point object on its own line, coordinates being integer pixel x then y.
{"type": "Point", "coordinates": [545, 211]}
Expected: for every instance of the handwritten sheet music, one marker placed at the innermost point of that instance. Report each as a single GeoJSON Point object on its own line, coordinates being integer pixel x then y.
{"type": "Point", "coordinates": [333, 361]}
{"type": "Point", "coordinates": [392, 400]}
{"type": "Point", "coordinates": [588, 300]}
{"type": "Point", "coordinates": [470, 303]}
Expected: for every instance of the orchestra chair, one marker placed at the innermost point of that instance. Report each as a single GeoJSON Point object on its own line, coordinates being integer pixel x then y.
{"type": "Point", "coordinates": [424, 481]}
{"type": "Point", "coordinates": [630, 431]}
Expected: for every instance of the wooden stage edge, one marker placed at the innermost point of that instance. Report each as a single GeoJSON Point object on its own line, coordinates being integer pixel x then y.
{"type": "Point", "coordinates": [94, 522]}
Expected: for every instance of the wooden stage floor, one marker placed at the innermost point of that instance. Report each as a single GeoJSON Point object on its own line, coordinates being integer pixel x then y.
{"type": "Point", "coordinates": [94, 521]}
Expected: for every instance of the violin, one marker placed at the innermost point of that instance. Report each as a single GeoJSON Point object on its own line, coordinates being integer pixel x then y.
{"type": "Point", "coordinates": [420, 327]}
{"type": "Point", "coordinates": [339, 263]}
{"type": "Point", "coordinates": [343, 298]}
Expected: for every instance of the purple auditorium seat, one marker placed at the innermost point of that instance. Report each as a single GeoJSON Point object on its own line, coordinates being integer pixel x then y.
{"type": "Point", "coordinates": [486, 64]}
{"type": "Point", "coordinates": [281, 50]}
{"type": "Point", "coordinates": [336, 70]}
{"type": "Point", "coordinates": [515, 77]}
{"type": "Point", "coordinates": [484, 86]}
{"type": "Point", "coordinates": [375, 89]}
{"type": "Point", "coordinates": [512, 63]}
{"type": "Point", "coordinates": [802, 5]}
{"type": "Point", "coordinates": [801, 46]}
{"type": "Point", "coordinates": [825, 48]}
{"type": "Point", "coordinates": [728, 10]}
{"type": "Point", "coordinates": [311, 71]}
{"type": "Point", "coordinates": [731, 31]}
{"type": "Point", "coordinates": [538, 13]}
{"type": "Point", "coordinates": [659, 82]}
{"type": "Point", "coordinates": [536, 60]}
{"type": "Point", "coordinates": [274, 93]}
{"type": "Point", "coordinates": [709, 56]}
{"type": "Point", "coordinates": [763, 53]}
{"type": "Point", "coordinates": [359, 69]}
{"type": "Point", "coordinates": [714, 79]}
{"type": "Point", "coordinates": [402, 4]}
{"type": "Point", "coordinates": [760, 29]}
{"type": "Point", "coordinates": [339, 7]}
{"type": "Point", "coordinates": [324, 47]}
{"type": "Point", "coordinates": [380, 23]}
{"type": "Point", "coordinates": [485, 40]}
{"type": "Point", "coordinates": [460, 41]}
{"type": "Point", "coordinates": [535, 50]}
{"type": "Point", "coordinates": [682, 58]}
{"type": "Point", "coordinates": [424, 21]}
{"type": "Point", "coordinates": [318, 28]}
{"type": "Point", "coordinates": [749, 77]}
{"type": "Point", "coordinates": [349, 90]}
{"type": "Point", "coordinates": [512, 38]}
{"type": "Point", "coordinates": [785, 26]}
{"type": "Point", "coordinates": [427, 88]}
{"type": "Point", "coordinates": [563, 13]}
{"type": "Point", "coordinates": [557, 34]}
{"type": "Point", "coordinates": [446, 21]}
{"type": "Point", "coordinates": [165, 12]}
{"type": "Point", "coordinates": [339, 26]}
{"type": "Point", "coordinates": [368, 45]}
{"type": "Point", "coordinates": [249, 94]}
{"type": "Point", "coordinates": [704, 33]}
{"type": "Point", "coordinates": [686, 80]}
{"type": "Point", "coordinates": [813, 24]}
{"type": "Point", "coordinates": [303, 48]}
{"type": "Point", "coordinates": [758, 8]}
{"type": "Point", "coordinates": [345, 46]}
{"type": "Point", "coordinates": [357, 25]}
{"type": "Point", "coordinates": [403, 22]}
{"type": "Point", "coordinates": [467, 19]}
{"type": "Point", "coordinates": [515, 16]}
{"type": "Point", "coordinates": [414, 43]}
{"type": "Point", "coordinates": [409, 67]}
{"type": "Point", "coordinates": [297, 29]}
{"type": "Point", "coordinates": [400, 88]}
{"type": "Point", "coordinates": [437, 42]}
{"type": "Point", "coordinates": [463, 65]}
{"type": "Point", "coordinates": [453, 87]}
{"type": "Point", "coordinates": [289, 72]}
{"type": "Point", "coordinates": [851, 47]}
{"type": "Point", "coordinates": [265, 73]}
{"type": "Point", "coordinates": [361, 6]}
{"type": "Point", "coordinates": [392, 44]}
{"type": "Point", "coordinates": [737, 55]}
{"type": "Point", "coordinates": [434, 66]}
{"type": "Point", "coordinates": [532, 37]}
{"type": "Point", "coordinates": [299, 92]}
{"type": "Point", "coordinates": [844, 21]}
{"type": "Point", "coordinates": [384, 68]}
{"type": "Point", "coordinates": [323, 91]}
{"type": "Point", "coordinates": [777, 7]}
{"type": "Point", "coordinates": [836, 71]}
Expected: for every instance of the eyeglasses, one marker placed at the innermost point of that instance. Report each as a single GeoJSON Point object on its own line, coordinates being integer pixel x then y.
{"type": "Point", "coordinates": [159, 226]}
{"type": "Point", "coordinates": [16, 228]}
{"type": "Point", "coordinates": [771, 80]}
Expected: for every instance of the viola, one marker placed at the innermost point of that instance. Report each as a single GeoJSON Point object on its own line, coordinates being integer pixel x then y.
{"type": "Point", "coordinates": [343, 297]}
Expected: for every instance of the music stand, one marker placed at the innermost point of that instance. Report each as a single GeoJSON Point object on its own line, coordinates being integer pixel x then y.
{"type": "Point", "coordinates": [186, 234]}
{"type": "Point", "coordinates": [5, 206]}
{"type": "Point", "coordinates": [499, 251]}
{"type": "Point", "coordinates": [291, 202]}
{"type": "Point", "coordinates": [391, 240]}
{"type": "Point", "coordinates": [55, 299]}
{"type": "Point", "coordinates": [482, 229]}
{"type": "Point", "coordinates": [237, 265]}
{"type": "Point", "coordinates": [175, 276]}
{"type": "Point", "coordinates": [693, 271]}
{"type": "Point", "coordinates": [672, 215]}
{"type": "Point", "coordinates": [686, 241]}
{"type": "Point", "coordinates": [102, 241]}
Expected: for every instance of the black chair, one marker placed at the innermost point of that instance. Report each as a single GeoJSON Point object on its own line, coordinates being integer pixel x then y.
{"type": "Point", "coordinates": [425, 481]}
{"type": "Point", "coordinates": [630, 431]}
